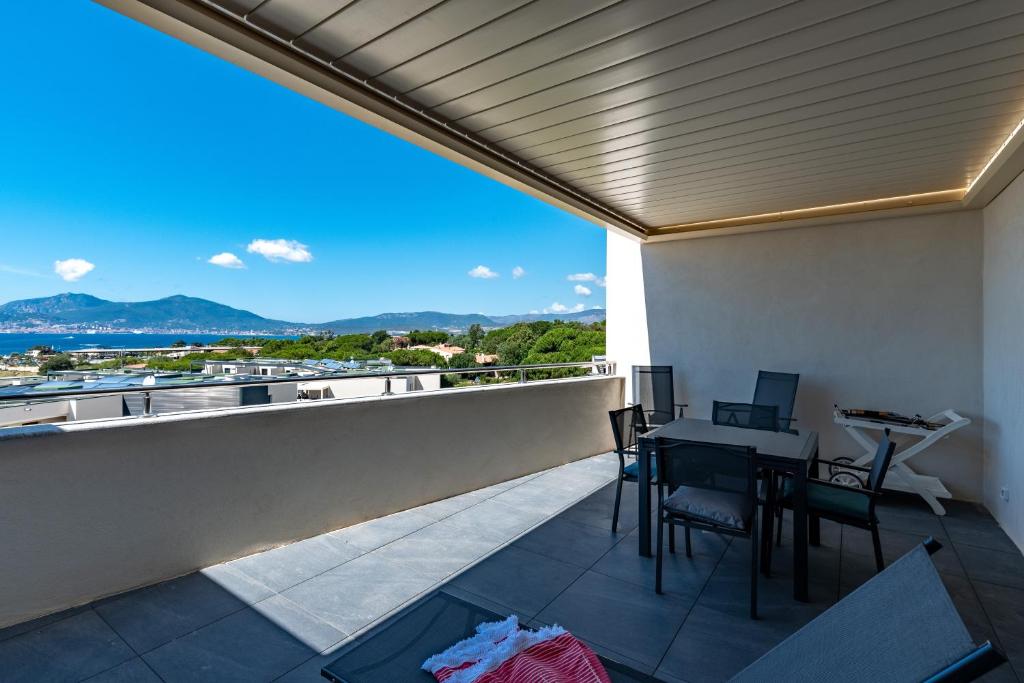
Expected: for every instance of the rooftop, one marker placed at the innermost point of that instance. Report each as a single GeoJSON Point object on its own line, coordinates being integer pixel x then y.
{"type": "Point", "coordinates": [539, 546]}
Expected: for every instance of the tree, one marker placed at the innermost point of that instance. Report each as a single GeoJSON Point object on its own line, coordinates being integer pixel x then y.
{"type": "Point", "coordinates": [475, 334]}
{"type": "Point", "coordinates": [415, 358]}
{"type": "Point", "coordinates": [379, 336]}
{"type": "Point", "coordinates": [462, 360]}
{"type": "Point", "coordinates": [428, 337]}
{"type": "Point", "coordinates": [178, 344]}
{"type": "Point", "coordinates": [61, 361]}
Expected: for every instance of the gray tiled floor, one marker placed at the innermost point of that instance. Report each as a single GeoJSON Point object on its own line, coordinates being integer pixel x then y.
{"type": "Point", "coordinates": [282, 614]}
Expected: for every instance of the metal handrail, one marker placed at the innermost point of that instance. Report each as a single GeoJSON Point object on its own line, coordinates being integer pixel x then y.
{"type": "Point", "coordinates": [602, 366]}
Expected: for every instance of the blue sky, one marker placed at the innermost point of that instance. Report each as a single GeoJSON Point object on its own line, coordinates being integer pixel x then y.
{"type": "Point", "coordinates": [143, 157]}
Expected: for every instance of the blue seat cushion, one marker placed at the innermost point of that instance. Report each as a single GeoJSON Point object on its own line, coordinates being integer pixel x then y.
{"type": "Point", "coordinates": [632, 470]}
{"type": "Point", "coordinates": [847, 502]}
{"type": "Point", "coordinates": [721, 508]}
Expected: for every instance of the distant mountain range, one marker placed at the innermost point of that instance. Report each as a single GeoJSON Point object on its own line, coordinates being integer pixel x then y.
{"type": "Point", "coordinates": [79, 312]}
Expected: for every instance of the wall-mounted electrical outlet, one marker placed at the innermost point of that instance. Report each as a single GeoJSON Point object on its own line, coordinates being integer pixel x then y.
{"type": "Point", "coordinates": [1004, 493]}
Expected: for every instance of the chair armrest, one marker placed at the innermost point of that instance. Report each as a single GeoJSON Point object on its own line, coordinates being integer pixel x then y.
{"type": "Point", "coordinates": [867, 492]}
{"type": "Point", "coordinates": [844, 465]}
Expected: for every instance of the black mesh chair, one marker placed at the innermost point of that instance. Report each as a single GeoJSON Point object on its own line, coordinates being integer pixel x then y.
{"type": "Point", "coordinates": [654, 386]}
{"type": "Point", "coordinates": [778, 389]}
{"type": "Point", "coordinates": [847, 504]}
{"type": "Point", "coordinates": [745, 415]}
{"type": "Point", "coordinates": [628, 425]}
{"type": "Point", "coordinates": [899, 626]}
{"type": "Point", "coordinates": [712, 487]}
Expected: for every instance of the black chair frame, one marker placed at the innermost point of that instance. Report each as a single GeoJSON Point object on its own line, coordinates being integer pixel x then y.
{"type": "Point", "coordinates": [876, 476]}
{"type": "Point", "coordinates": [663, 411]}
{"type": "Point", "coordinates": [626, 445]}
{"type": "Point", "coordinates": [666, 517]}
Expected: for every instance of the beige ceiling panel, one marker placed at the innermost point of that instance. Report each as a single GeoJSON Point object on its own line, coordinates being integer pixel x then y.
{"type": "Point", "coordinates": [291, 18]}
{"type": "Point", "coordinates": [737, 94]}
{"type": "Point", "coordinates": [358, 24]}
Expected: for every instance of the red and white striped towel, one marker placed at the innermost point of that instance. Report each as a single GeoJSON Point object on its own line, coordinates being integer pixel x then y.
{"type": "Point", "coordinates": [501, 652]}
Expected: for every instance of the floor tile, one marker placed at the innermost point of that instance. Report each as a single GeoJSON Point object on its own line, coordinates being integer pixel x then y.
{"type": "Point", "coordinates": [493, 518]}
{"type": "Point", "coordinates": [441, 549]}
{"type": "Point", "coordinates": [538, 498]}
{"type": "Point", "coordinates": [681, 576]}
{"type": "Point", "coordinates": [576, 544]}
{"type": "Point", "coordinates": [377, 532]}
{"type": "Point", "coordinates": [359, 592]}
{"type": "Point", "coordinates": [284, 567]}
{"type": "Point", "coordinates": [309, 630]}
{"type": "Point", "coordinates": [245, 646]}
{"type": "Point", "coordinates": [895, 544]}
{"type": "Point", "coordinates": [447, 507]}
{"type": "Point", "coordinates": [33, 624]}
{"type": "Point", "coordinates": [596, 509]}
{"type": "Point", "coordinates": [67, 650]}
{"type": "Point", "coordinates": [132, 671]}
{"type": "Point", "coordinates": [237, 583]}
{"type": "Point", "coordinates": [619, 615]}
{"type": "Point", "coordinates": [699, 657]}
{"type": "Point", "coordinates": [1005, 609]}
{"type": "Point", "coordinates": [149, 617]}
{"type": "Point", "coordinates": [983, 533]}
{"type": "Point", "coordinates": [992, 566]}
{"type": "Point", "coordinates": [522, 580]}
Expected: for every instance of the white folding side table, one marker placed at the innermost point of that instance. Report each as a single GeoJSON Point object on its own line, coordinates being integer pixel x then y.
{"type": "Point", "coordinates": [901, 477]}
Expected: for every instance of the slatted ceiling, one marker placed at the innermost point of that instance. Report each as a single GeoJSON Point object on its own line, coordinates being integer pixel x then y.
{"type": "Point", "coordinates": [927, 151]}
{"type": "Point", "coordinates": [626, 190]}
{"type": "Point", "coordinates": [942, 158]}
{"type": "Point", "coordinates": [1002, 56]}
{"type": "Point", "coordinates": [613, 34]}
{"type": "Point", "coordinates": [439, 25]}
{"type": "Point", "coordinates": [290, 19]}
{"type": "Point", "coordinates": [510, 30]}
{"type": "Point", "coordinates": [759, 145]}
{"type": "Point", "coordinates": [515, 110]}
{"type": "Point", "coordinates": [357, 24]}
{"type": "Point", "coordinates": [750, 99]}
{"type": "Point", "coordinates": [678, 112]}
{"type": "Point", "coordinates": [938, 100]}
{"type": "Point", "coordinates": [501, 80]}
{"type": "Point", "coordinates": [708, 75]}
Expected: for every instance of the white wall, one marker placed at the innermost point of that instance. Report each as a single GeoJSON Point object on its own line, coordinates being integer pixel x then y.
{"type": "Point", "coordinates": [97, 508]}
{"type": "Point", "coordinates": [881, 314]}
{"type": "Point", "coordinates": [1004, 358]}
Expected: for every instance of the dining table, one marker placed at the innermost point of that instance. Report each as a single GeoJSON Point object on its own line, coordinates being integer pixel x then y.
{"type": "Point", "coordinates": [794, 454]}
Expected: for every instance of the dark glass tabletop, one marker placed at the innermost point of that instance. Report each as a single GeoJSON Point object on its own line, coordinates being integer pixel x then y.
{"type": "Point", "coordinates": [395, 650]}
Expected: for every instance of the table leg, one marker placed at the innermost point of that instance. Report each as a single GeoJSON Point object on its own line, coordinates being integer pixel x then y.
{"type": "Point", "coordinates": [814, 522]}
{"type": "Point", "coordinates": [644, 447]}
{"type": "Point", "coordinates": [800, 534]}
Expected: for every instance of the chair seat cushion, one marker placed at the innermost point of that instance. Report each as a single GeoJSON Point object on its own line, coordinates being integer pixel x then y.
{"type": "Point", "coordinates": [829, 499]}
{"type": "Point", "coordinates": [722, 508]}
{"type": "Point", "coordinates": [632, 470]}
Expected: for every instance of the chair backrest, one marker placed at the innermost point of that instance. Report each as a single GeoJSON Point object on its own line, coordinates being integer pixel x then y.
{"type": "Point", "coordinates": [714, 466]}
{"type": "Point", "coordinates": [745, 415]}
{"type": "Point", "coordinates": [777, 389]}
{"type": "Point", "coordinates": [653, 387]}
{"type": "Point", "coordinates": [883, 456]}
{"type": "Point", "coordinates": [627, 425]}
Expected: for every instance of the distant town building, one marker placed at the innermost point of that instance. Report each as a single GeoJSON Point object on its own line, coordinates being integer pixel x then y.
{"type": "Point", "coordinates": [444, 350]}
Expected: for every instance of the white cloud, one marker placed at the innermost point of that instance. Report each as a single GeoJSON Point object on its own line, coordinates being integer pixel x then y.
{"type": "Point", "coordinates": [72, 269]}
{"type": "Point", "coordinates": [226, 260]}
{"type": "Point", "coordinates": [518, 272]}
{"type": "Point", "coordinates": [582, 291]}
{"type": "Point", "coordinates": [281, 250]}
{"type": "Point", "coordinates": [586, 277]}
{"type": "Point", "coordinates": [483, 273]}
{"type": "Point", "coordinates": [561, 308]}
{"type": "Point", "coordinates": [534, 312]}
